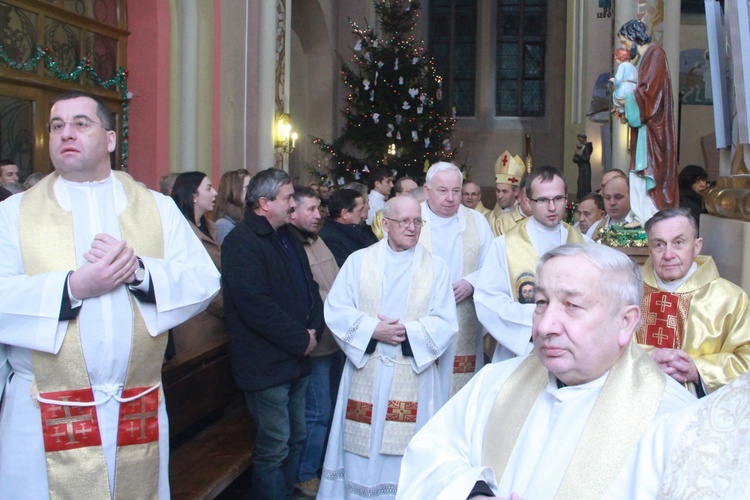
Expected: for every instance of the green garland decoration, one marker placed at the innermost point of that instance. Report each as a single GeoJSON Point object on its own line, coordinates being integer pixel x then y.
{"type": "Point", "coordinates": [619, 236]}
{"type": "Point", "coordinates": [119, 79]}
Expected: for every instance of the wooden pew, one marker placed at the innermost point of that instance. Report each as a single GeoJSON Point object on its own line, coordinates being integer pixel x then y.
{"type": "Point", "coordinates": [212, 436]}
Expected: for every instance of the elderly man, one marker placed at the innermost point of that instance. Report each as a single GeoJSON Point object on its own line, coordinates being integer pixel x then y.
{"type": "Point", "coordinates": [8, 171]}
{"type": "Point", "coordinates": [590, 211]}
{"type": "Point", "coordinates": [392, 311]}
{"type": "Point", "coordinates": [696, 323]}
{"type": "Point", "coordinates": [274, 316]}
{"type": "Point", "coordinates": [461, 237]}
{"type": "Point", "coordinates": [471, 197]}
{"type": "Point", "coordinates": [542, 426]}
{"type": "Point", "coordinates": [100, 268]}
{"type": "Point", "coordinates": [510, 265]}
{"type": "Point", "coordinates": [326, 359]}
{"type": "Point", "coordinates": [403, 186]}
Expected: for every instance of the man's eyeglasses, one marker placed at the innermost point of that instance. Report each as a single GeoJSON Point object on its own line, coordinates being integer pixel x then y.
{"type": "Point", "coordinates": [81, 124]}
{"type": "Point", "coordinates": [546, 201]}
{"type": "Point", "coordinates": [406, 222]}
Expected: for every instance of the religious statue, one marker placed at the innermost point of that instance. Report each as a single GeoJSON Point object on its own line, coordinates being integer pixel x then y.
{"type": "Point", "coordinates": [625, 80]}
{"type": "Point", "coordinates": [649, 112]}
{"type": "Point", "coordinates": [582, 158]}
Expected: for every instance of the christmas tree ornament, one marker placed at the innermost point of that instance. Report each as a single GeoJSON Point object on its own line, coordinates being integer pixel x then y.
{"type": "Point", "coordinates": [414, 136]}
{"type": "Point", "coordinates": [406, 105]}
{"type": "Point", "coordinates": [398, 119]}
{"type": "Point", "coordinates": [376, 117]}
{"type": "Point", "coordinates": [366, 83]}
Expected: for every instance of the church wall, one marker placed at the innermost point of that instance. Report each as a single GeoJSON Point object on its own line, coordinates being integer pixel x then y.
{"type": "Point", "coordinates": [233, 106]}
{"type": "Point", "coordinates": [313, 79]}
{"type": "Point", "coordinates": [148, 80]}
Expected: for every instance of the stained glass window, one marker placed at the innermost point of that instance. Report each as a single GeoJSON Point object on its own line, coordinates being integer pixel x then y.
{"type": "Point", "coordinates": [520, 61]}
{"type": "Point", "coordinates": [453, 45]}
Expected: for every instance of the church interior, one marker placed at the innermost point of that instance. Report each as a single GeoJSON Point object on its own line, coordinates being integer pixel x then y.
{"type": "Point", "coordinates": [221, 85]}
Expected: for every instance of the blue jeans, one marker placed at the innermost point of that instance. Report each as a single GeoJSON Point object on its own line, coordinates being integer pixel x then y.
{"type": "Point", "coordinates": [280, 414]}
{"type": "Point", "coordinates": [321, 400]}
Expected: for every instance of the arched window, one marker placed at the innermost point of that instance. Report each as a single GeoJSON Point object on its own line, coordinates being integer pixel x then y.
{"type": "Point", "coordinates": [69, 30]}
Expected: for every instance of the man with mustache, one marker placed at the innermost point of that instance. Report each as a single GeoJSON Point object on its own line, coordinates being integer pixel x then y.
{"type": "Point", "coordinates": [274, 317]}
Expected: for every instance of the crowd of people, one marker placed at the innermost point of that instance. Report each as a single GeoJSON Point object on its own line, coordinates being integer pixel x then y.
{"type": "Point", "coordinates": [398, 341]}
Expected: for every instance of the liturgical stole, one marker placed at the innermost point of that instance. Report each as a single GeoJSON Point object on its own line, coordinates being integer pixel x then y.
{"type": "Point", "coordinates": [401, 415]}
{"type": "Point", "coordinates": [469, 327]}
{"type": "Point", "coordinates": [626, 405]}
{"type": "Point", "coordinates": [522, 257]}
{"type": "Point", "coordinates": [76, 466]}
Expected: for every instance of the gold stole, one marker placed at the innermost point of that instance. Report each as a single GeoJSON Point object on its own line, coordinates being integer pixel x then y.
{"type": "Point", "coordinates": [522, 257]}
{"type": "Point", "coordinates": [469, 327]}
{"type": "Point", "coordinates": [75, 459]}
{"type": "Point", "coordinates": [626, 405]}
{"type": "Point", "coordinates": [401, 415]}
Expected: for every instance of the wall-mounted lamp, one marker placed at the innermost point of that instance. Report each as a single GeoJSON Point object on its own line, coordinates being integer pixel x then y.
{"type": "Point", "coordinates": [285, 138]}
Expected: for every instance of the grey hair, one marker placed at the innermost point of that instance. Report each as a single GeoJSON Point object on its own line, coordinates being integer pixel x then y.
{"type": "Point", "coordinates": [265, 184]}
{"type": "Point", "coordinates": [621, 277]}
{"type": "Point", "coordinates": [671, 213]}
{"type": "Point", "coordinates": [442, 166]}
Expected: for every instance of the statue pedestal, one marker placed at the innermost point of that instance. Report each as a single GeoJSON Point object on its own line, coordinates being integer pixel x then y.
{"type": "Point", "coordinates": [728, 242]}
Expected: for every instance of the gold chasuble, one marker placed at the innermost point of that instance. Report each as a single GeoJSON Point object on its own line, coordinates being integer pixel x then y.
{"type": "Point", "coordinates": [522, 257]}
{"type": "Point", "coordinates": [707, 317]}
{"type": "Point", "coordinates": [626, 405]}
{"type": "Point", "coordinates": [75, 459]}
{"type": "Point", "coordinates": [401, 415]}
{"type": "Point", "coordinates": [507, 220]}
{"type": "Point", "coordinates": [469, 327]}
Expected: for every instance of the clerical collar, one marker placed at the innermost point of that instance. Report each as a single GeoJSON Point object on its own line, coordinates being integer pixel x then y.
{"type": "Point", "coordinates": [671, 286]}
{"type": "Point", "coordinates": [545, 229]}
{"type": "Point", "coordinates": [87, 183]}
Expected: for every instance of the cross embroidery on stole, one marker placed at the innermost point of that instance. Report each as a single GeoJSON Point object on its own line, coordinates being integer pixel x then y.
{"type": "Point", "coordinates": [664, 317]}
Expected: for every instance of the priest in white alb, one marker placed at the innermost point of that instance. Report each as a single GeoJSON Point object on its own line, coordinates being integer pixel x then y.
{"type": "Point", "coordinates": [562, 421]}
{"type": "Point", "coordinates": [392, 311]}
{"type": "Point", "coordinates": [503, 293]}
{"type": "Point", "coordinates": [461, 237]}
{"type": "Point", "coordinates": [93, 269]}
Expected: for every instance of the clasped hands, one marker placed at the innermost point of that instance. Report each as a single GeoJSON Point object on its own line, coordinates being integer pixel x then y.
{"type": "Point", "coordinates": [109, 263]}
{"type": "Point", "coordinates": [389, 330]}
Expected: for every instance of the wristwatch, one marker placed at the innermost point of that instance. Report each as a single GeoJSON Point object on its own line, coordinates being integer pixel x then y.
{"type": "Point", "coordinates": [140, 273]}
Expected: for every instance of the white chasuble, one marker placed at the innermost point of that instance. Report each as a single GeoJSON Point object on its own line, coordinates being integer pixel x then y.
{"type": "Point", "coordinates": [462, 241]}
{"type": "Point", "coordinates": [184, 282]}
{"type": "Point", "coordinates": [351, 310]}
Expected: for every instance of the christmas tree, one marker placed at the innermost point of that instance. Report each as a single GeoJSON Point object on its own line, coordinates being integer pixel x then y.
{"type": "Point", "coordinates": [395, 113]}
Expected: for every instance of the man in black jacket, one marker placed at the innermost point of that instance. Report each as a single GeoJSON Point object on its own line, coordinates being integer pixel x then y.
{"type": "Point", "coordinates": [273, 313]}
{"type": "Point", "coordinates": [344, 233]}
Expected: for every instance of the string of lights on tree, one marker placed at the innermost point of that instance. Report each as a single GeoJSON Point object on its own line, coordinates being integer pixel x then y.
{"type": "Point", "coordinates": [119, 80]}
{"type": "Point", "coordinates": [395, 113]}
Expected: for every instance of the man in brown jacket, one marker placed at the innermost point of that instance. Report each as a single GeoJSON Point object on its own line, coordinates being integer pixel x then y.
{"type": "Point", "coordinates": [327, 358]}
